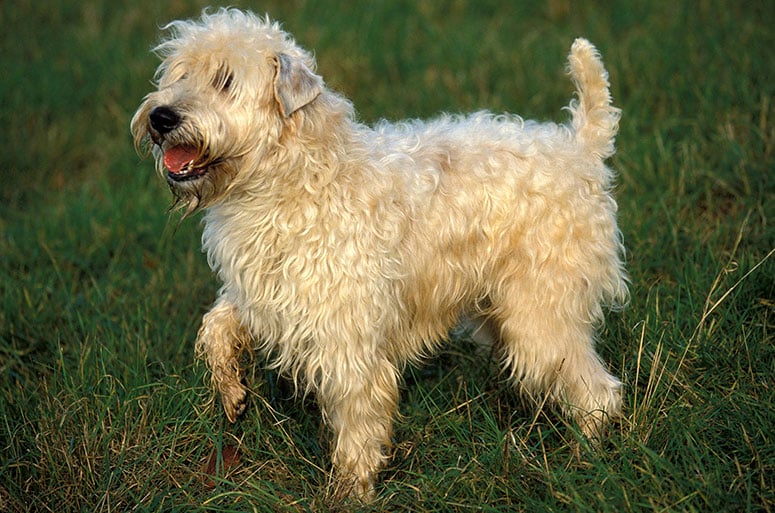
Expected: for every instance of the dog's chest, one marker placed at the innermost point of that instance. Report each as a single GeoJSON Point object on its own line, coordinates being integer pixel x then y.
{"type": "Point", "coordinates": [282, 272]}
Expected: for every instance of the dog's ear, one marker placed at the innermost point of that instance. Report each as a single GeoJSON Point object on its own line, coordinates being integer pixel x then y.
{"type": "Point", "coordinates": [295, 85]}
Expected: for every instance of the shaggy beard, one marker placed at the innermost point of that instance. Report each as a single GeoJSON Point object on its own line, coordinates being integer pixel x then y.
{"type": "Point", "coordinates": [194, 195]}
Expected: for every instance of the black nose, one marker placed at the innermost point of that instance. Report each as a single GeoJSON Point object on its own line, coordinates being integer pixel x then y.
{"type": "Point", "coordinates": [164, 119]}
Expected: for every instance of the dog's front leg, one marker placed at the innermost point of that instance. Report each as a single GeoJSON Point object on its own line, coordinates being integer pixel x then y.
{"type": "Point", "coordinates": [221, 340]}
{"type": "Point", "coordinates": [359, 400]}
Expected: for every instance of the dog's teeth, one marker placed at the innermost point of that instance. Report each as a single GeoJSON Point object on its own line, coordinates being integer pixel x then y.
{"type": "Point", "coordinates": [179, 158]}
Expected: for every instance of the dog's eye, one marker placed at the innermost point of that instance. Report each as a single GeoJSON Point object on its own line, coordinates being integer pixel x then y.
{"type": "Point", "coordinates": [223, 80]}
{"type": "Point", "coordinates": [227, 82]}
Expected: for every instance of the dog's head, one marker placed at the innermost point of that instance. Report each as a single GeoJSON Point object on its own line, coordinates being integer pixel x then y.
{"type": "Point", "coordinates": [229, 86]}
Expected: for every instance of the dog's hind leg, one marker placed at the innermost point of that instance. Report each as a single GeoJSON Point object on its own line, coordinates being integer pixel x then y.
{"type": "Point", "coordinates": [549, 348]}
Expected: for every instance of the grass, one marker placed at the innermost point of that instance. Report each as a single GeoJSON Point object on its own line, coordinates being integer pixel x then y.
{"type": "Point", "coordinates": [102, 408]}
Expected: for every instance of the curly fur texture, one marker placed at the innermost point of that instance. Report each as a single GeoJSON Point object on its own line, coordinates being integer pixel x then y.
{"type": "Point", "coordinates": [346, 251]}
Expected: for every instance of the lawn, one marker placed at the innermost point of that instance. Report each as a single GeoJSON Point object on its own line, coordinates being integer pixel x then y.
{"type": "Point", "coordinates": [102, 407]}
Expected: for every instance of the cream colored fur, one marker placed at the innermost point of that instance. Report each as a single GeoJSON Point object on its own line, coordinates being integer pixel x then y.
{"type": "Point", "coordinates": [347, 251]}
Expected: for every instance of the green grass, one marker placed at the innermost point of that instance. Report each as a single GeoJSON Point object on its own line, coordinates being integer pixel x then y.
{"type": "Point", "coordinates": [103, 409]}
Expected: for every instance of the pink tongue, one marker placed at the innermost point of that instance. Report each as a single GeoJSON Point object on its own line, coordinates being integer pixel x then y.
{"type": "Point", "coordinates": [177, 157]}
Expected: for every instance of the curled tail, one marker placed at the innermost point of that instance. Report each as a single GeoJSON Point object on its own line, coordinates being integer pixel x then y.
{"type": "Point", "coordinates": [595, 121]}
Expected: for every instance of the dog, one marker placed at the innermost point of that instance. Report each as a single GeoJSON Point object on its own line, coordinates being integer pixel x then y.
{"type": "Point", "coordinates": [347, 251]}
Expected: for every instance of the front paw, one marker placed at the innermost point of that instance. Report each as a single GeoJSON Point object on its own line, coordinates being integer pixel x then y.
{"type": "Point", "coordinates": [235, 400]}
{"type": "Point", "coordinates": [349, 487]}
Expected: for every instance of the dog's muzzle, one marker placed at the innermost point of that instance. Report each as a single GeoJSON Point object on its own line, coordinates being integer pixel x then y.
{"type": "Point", "coordinates": [180, 160]}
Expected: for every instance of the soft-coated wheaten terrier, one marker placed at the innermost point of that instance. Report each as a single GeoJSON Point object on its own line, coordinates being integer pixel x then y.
{"type": "Point", "coordinates": [347, 251]}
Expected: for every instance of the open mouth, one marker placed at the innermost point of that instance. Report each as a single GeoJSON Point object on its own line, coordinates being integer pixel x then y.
{"type": "Point", "coordinates": [181, 163]}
